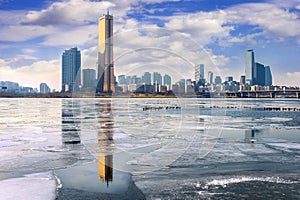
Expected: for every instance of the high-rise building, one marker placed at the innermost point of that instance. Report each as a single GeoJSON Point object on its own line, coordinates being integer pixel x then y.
{"type": "Point", "coordinates": [167, 80]}
{"type": "Point", "coordinates": [122, 80]}
{"type": "Point", "coordinates": [249, 67]}
{"type": "Point", "coordinates": [199, 72]}
{"type": "Point", "coordinates": [44, 88]}
{"type": "Point", "coordinates": [181, 86]}
{"type": "Point", "coordinates": [259, 74]}
{"type": "Point", "coordinates": [146, 78]}
{"type": "Point", "coordinates": [9, 86]}
{"type": "Point", "coordinates": [229, 79]}
{"type": "Point", "coordinates": [243, 80]}
{"type": "Point", "coordinates": [71, 67]}
{"type": "Point", "coordinates": [157, 78]}
{"type": "Point", "coordinates": [268, 76]}
{"type": "Point", "coordinates": [188, 81]}
{"type": "Point", "coordinates": [134, 79]}
{"type": "Point", "coordinates": [89, 77]}
{"type": "Point", "coordinates": [218, 80]}
{"type": "Point", "coordinates": [105, 55]}
{"type": "Point", "coordinates": [210, 79]}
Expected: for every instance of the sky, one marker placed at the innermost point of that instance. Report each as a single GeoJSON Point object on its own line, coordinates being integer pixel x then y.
{"type": "Point", "coordinates": [168, 36]}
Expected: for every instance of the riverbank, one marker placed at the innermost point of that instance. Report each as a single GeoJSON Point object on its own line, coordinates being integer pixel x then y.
{"type": "Point", "coordinates": [204, 96]}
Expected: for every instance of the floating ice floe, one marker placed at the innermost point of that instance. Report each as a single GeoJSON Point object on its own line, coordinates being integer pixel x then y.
{"type": "Point", "coordinates": [224, 182]}
{"type": "Point", "coordinates": [32, 187]}
{"type": "Point", "coordinates": [285, 145]}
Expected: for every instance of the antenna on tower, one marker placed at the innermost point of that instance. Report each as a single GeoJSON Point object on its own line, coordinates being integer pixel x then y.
{"type": "Point", "coordinates": [107, 11]}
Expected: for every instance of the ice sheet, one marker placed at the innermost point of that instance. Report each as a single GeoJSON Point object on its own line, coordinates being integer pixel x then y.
{"type": "Point", "coordinates": [32, 187]}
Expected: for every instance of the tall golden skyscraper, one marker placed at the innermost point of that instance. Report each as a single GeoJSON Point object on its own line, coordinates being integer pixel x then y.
{"type": "Point", "coordinates": [105, 55]}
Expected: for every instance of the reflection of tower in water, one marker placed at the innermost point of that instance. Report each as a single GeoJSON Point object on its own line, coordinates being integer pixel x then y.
{"type": "Point", "coordinates": [105, 141]}
{"type": "Point", "coordinates": [250, 135]}
{"type": "Point", "coordinates": [70, 121]}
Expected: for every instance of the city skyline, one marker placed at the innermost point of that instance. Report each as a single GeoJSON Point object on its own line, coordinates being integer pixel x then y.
{"type": "Point", "coordinates": [224, 29]}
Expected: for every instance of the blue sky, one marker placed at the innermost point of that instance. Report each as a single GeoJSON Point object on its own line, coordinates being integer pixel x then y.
{"type": "Point", "coordinates": [169, 36]}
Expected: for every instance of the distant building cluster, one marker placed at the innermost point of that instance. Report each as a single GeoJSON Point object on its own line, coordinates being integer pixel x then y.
{"type": "Point", "coordinates": [257, 77]}
{"type": "Point", "coordinates": [256, 73]}
{"type": "Point", "coordinates": [15, 88]}
{"type": "Point", "coordinates": [148, 83]}
{"type": "Point", "coordinates": [44, 88]}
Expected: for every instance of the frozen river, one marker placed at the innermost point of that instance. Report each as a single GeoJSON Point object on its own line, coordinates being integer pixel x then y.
{"type": "Point", "coordinates": [176, 149]}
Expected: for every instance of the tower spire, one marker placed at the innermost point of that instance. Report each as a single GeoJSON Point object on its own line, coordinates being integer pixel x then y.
{"type": "Point", "coordinates": [107, 11]}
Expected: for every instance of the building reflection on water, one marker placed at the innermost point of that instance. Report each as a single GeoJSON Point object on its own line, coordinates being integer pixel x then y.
{"type": "Point", "coordinates": [70, 122]}
{"type": "Point", "coordinates": [105, 142]}
{"type": "Point", "coordinates": [90, 123]}
{"type": "Point", "coordinates": [250, 135]}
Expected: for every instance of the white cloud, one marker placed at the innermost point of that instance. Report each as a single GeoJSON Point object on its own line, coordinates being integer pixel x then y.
{"type": "Point", "coordinates": [269, 20]}
{"type": "Point", "coordinates": [11, 17]}
{"type": "Point", "coordinates": [16, 33]}
{"type": "Point", "coordinates": [273, 20]}
{"type": "Point", "coordinates": [284, 4]}
{"type": "Point", "coordinates": [69, 12]}
{"type": "Point", "coordinates": [89, 58]}
{"type": "Point", "coordinates": [292, 78]}
{"type": "Point", "coordinates": [204, 27]}
{"type": "Point", "coordinates": [20, 58]}
{"type": "Point", "coordinates": [83, 35]}
{"type": "Point", "coordinates": [33, 75]}
{"type": "Point", "coordinates": [151, 48]}
{"type": "Point", "coordinates": [242, 39]}
{"type": "Point", "coordinates": [28, 51]}
{"type": "Point", "coordinates": [58, 18]}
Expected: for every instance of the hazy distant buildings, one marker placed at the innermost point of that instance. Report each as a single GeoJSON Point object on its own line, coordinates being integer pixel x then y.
{"type": "Point", "coordinates": [228, 79]}
{"type": "Point", "coordinates": [167, 80]}
{"type": "Point", "coordinates": [210, 77]}
{"type": "Point", "coordinates": [249, 66]}
{"type": "Point", "coordinates": [44, 88]}
{"type": "Point", "coordinates": [27, 90]}
{"type": "Point", "coordinates": [148, 83]}
{"type": "Point", "coordinates": [8, 86]}
{"type": "Point", "coordinates": [268, 76]}
{"type": "Point", "coordinates": [179, 87]}
{"type": "Point", "coordinates": [146, 78]}
{"type": "Point", "coordinates": [71, 65]}
{"type": "Point", "coordinates": [105, 55]}
{"type": "Point", "coordinates": [199, 74]}
{"type": "Point", "coordinates": [218, 80]}
{"type": "Point", "coordinates": [135, 80]}
{"type": "Point", "coordinates": [243, 80]}
{"type": "Point", "coordinates": [157, 78]}
{"type": "Point", "coordinates": [89, 78]}
{"type": "Point", "coordinates": [121, 79]}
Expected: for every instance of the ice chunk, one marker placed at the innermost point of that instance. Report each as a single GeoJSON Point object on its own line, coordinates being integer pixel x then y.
{"type": "Point", "coordinates": [31, 187]}
{"type": "Point", "coordinates": [288, 145]}
{"type": "Point", "coordinates": [224, 182]}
